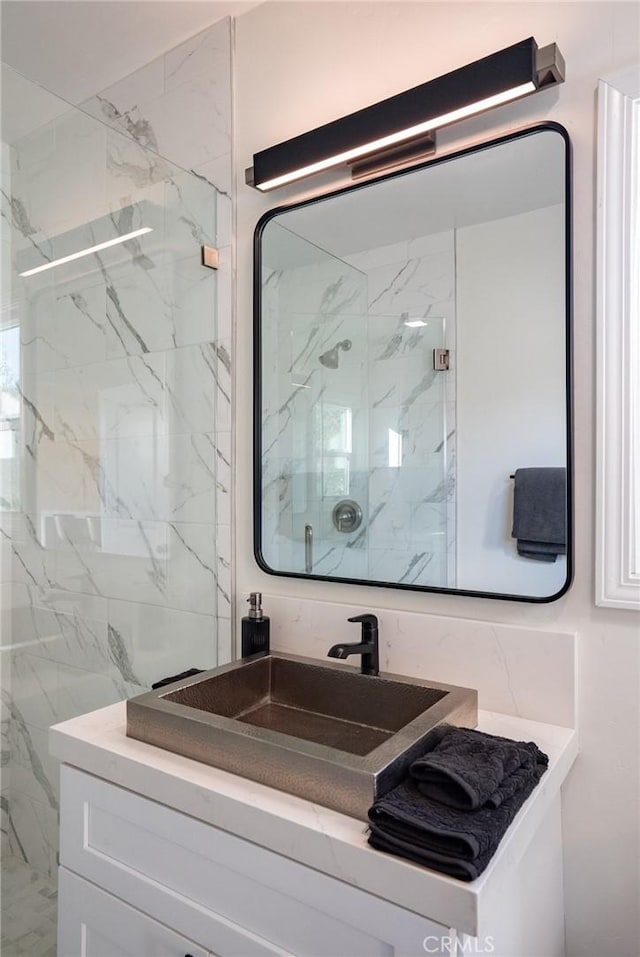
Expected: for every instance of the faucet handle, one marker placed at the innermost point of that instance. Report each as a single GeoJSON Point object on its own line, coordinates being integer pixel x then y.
{"type": "Point", "coordinates": [366, 619]}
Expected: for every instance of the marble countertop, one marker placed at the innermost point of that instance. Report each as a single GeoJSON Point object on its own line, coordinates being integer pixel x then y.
{"type": "Point", "coordinates": [321, 838]}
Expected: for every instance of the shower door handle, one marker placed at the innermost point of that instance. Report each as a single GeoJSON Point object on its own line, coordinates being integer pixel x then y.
{"type": "Point", "coordinates": [308, 549]}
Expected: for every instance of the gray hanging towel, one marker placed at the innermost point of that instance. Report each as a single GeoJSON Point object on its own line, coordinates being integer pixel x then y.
{"type": "Point", "coordinates": [540, 513]}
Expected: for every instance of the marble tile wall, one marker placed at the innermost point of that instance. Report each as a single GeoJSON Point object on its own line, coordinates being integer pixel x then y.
{"type": "Point", "coordinates": [7, 494]}
{"type": "Point", "coordinates": [387, 382]}
{"type": "Point", "coordinates": [121, 561]}
{"type": "Point", "coordinates": [411, 485]}
{"type": "Point", "coordinates": [307, 310]}
{"type": "Point", "coordinates": [180, 106]}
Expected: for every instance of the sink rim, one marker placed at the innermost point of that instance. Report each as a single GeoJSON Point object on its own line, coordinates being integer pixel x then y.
{"type": "Point", "coordinates": [374, 762]}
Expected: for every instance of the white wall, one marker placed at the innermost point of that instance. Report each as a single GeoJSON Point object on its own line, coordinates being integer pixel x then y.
{"type": "Point", "coordinates": [510, 363]}
{"type": "Point", "coordinates": [300, 65]}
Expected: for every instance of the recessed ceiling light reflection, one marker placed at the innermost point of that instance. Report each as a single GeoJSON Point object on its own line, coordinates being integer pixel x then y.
{"type": "Point", "coordinates": [88, 251]}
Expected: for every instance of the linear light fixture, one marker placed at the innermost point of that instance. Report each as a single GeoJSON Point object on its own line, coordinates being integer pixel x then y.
{"type": "Point", "coordinates": [411, 117]}
{"type": "Point", "coordinates": [88, 251]}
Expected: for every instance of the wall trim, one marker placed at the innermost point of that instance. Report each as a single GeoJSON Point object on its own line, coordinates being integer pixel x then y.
{"type": "Point", "coordinates": [618, 341]}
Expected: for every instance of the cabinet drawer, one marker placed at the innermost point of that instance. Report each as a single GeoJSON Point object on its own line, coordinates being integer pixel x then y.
{"type": "Point", "coordinates": [216, 888]}
{"type": "Point", "coordinates": [93, 923]}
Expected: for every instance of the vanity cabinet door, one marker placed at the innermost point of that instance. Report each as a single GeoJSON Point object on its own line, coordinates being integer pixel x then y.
{"type": "Point", "coordinates": [92, 923]}
{"type": "Point", "coordinates": [239, 898]}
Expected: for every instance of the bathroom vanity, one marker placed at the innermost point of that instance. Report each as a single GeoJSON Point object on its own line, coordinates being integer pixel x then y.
{"type": "Point", "coordinates": [162, 855]}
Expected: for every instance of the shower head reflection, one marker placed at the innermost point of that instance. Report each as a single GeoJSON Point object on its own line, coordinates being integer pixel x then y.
{"type": "Point", "coordinates": [331, 358]}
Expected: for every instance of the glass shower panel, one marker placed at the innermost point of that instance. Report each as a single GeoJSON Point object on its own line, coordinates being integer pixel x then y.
{"type": "Point", "coordinates": [314, 408]}
{"type": "Point", "coordinates": [107, 449]}
{"type": "Point", "coordinates": [411, 461]}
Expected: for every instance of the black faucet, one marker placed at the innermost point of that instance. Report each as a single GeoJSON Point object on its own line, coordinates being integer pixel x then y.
{"type": "Point", "coordinates": [368, 647]}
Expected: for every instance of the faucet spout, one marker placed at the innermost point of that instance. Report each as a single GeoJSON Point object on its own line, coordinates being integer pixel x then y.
{"type": "Point", "coordinates": [343, 651]}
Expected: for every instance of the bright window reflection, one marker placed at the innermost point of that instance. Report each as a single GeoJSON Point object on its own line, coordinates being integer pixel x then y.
{"type": "Point", "coordinates": [395, 449]}
{"type": "Point", "coordinates": [336, 429]}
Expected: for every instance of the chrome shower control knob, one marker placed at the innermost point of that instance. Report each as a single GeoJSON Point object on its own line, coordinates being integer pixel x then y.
{"type": "Point", "coordinates": [347, 515]}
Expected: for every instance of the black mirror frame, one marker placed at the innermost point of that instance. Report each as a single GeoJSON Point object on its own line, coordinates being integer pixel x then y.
{"type": "Point", "coordinates": [257, 372]}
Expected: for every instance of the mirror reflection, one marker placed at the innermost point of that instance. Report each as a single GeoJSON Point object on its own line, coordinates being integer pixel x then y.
{"type": "Point", "coordinates": [411, 338]}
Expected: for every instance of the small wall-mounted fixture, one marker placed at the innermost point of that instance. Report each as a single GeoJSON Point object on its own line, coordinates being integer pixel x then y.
{"type": "Point", "coordinates": [402, 127]}
{"type": "Point", "coordinates": [210, 257]}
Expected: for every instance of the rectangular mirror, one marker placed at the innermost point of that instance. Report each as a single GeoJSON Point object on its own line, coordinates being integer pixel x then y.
{"type": "Point", "coordinates": [412, 377]}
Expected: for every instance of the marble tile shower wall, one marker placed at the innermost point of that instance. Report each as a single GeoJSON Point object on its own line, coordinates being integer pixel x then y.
{"type": "Point", "coordinates": [412, 486]}
{"type": "Point", "coordinates": [307, 310]}
{"type": "Point", "coordinates": [121, 564]}
{"type": "Point", "coordinates": [387, 385]}
{"type": "Point", "coordinates": [6, 500]}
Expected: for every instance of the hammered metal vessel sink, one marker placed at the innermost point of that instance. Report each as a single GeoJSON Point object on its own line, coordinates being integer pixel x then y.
{"type": "Point", "coordinates": [319, 730]}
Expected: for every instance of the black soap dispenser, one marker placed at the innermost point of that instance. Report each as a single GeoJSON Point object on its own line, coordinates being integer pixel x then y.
{"type": "Point", "coordinates": [255, 627]}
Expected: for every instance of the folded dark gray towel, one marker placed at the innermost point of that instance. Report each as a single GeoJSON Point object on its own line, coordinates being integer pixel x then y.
{"type": "Point", "coordinates": [445, 864]}
{"type": "Point", "coordinates": [468, 769]}
{"type": "Point", "coordinates": [540, 513]}
{"type": "Point", "coordinates": [458, 843]}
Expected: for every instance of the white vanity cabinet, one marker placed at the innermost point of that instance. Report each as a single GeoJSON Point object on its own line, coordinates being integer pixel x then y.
{"type": "Point", "coordinates": [96, 924]}
{"type": "Point", "coordinates": [161, 856]}
{"type": "Point", "coordinates": [138, 879]}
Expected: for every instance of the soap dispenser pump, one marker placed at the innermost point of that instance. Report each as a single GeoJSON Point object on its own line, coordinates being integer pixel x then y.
{"type": "Point", "coordinates": [255, 627]}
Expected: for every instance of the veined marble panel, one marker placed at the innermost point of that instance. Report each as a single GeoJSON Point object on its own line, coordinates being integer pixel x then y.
{"type": "Point", "coordinates": [194, 118]}
{"type": "Point", "coordinates": [121, 397]}
{"type": "Point", "coordinates": [48, 691]}
{"type": "Point", "coordinates": [126, 402]}
{"type": "Point", "coordinates": [57, 636]}
{"type": "Point", "coordinates": [36, 688]}
{"type": "Point", "coordinates": [222, 441]}
{"type": "Point", "coordinates": [5, 822]}
{"type": "Point", "coordinates": [415, 277]}
{"type": "Point", "coordinates": [224, 548]}
{"type": "Point", "coordinates": [332, 559]}
{"type": "Point", "coordinates": [131, 166]}
{"type": "Point", "coordinates": [411, 408]}
{"type": "Point", "coordinates": [65, 328]}
{"type": "Point", "coordinates": [182, 391]}
{"type": "Point", "coordinates": [199, 302]}
{"type": "Point", "coordinates": [33, 564]}
{"type": "Point", "coordinates": [307, 310]}
{"type": "Point", "coordinates": [69, 603]}
{"type": "Point", "coordinates": [33, 832]}
{"type": "Point", "coordinates": [198, 388]}
{"type": "Point", "coordinates": [6, 738]}
{"type": "Point", "coordinates": [277, 500]}
{"type": "Point", "coordinates": [149, 478]}
{"type": "Point", "coordinates": [180, 104]}
{"type": "Point", "coordinates": [6, 272]}
{"type": "Point", "coordinates": [408, 566]}
{"type": "Point", "coordinates": [192, 568]}
{"type": "Point", "coordinates": [224, 213]}
{"type": "Point", "coordinates": [33, 771]}
{"type": "Point", "coordinates": [390, 525]}
{"type": "Point", "coordinates": [61, 172]}
{"type": "Point", "coordinates": [150, 643]}
{"type": "Point", "coordinates": [406, 382]}
{"type": "Point", "coordinates": [131, 562]}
